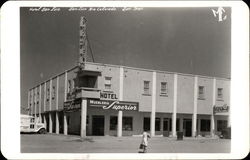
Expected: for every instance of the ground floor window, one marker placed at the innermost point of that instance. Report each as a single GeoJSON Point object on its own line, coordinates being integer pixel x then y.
{"type": "Point", "coordinates": [127, 123]}
{"type": "Point", "coordinates": [205, 125]}
{"type": "Point", "coordinates": [166, 124]}
{"type": "Point", "coordinates": [178, 124]}
{"type": "Point", "coordinates": [157, 124]}
{"type": "Point", "coordinates": [170, 124]}
{"type": "Point", "coordinates": [113, 123]}
{"type": "Point", "coordinates": [146, 124]}
{"type": "Point", "coordinates": [221, 124]}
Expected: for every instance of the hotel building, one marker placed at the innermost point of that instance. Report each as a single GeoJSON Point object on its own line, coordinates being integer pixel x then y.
{"type": "Point", "coordinates": [116, 100]}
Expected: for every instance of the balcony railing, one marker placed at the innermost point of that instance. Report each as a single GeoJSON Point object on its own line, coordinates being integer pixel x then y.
{"type": "Point", "coordinates": [84, 92]}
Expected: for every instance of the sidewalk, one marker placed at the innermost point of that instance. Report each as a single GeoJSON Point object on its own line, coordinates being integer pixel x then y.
{"type": "Point", "coordinates": [53, 143]}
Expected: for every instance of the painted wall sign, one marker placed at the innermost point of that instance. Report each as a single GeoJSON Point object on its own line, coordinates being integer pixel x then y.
{"type": "Point", "coordinates": [104, 95]}
{"type": "Point", "coordinates": [72, 105]}
{"type": "Point", "coordinates": [219, 109]}
{"type": "Point", "coordinates": [115, 105]}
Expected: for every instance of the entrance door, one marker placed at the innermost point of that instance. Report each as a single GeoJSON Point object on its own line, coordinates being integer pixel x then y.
{"type": "Point", "coordinates": [187, 127]}
{"type": "Point", "coordinates": [98, 125]}
{"type": "Point", "coordinates": [166, 127]}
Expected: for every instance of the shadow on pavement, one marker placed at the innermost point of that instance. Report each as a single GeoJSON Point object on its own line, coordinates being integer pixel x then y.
{"type": "Point", "coordinates": [81, 140]}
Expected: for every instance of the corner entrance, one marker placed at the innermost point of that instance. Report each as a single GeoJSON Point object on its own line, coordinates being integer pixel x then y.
{"type": "Point", "coordinates": [98, 125]}
{"type": "Point", "coordinates": [187, 127]}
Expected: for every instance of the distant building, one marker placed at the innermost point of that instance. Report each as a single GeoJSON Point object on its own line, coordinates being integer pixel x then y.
{"type": "Point", "coordinates": [104, 99]}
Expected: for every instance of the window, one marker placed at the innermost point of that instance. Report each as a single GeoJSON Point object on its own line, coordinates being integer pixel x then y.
{"type": "Point", "coordinates": [113, 123]}
{"type": "Point", "coordinates": [48, 94]}
{"type": "Point", "coordinates": [146, 124]}
{"type": "Point", "coordinates": [32, 126]}
{"type": "Point", "coordinates": [164, 88]}
{"type": "Point", "coordinates": [205, 125]}
{"type": "Point", "coordinates": [157, 124]}
{"type": "Point", "coordinates": [201, 93]}
{"type": "Point", "coordinates": [127, 123]}
{"type": "Point", "coordinates": [221, 125]}
{"type": "Point", "coordinates": [37, 98]}
{"type": "Point", "coordinates": [166, 124]}
{"type": "Point", "coordinates": [107, 83]}
{"type": "Point", "coordinates": [69, 86]}
{"type": "Point", "coordinates": [32, 120]}
{"type": "Point", "coordinates": [178, 124]}
{"type": "Point", "coordinates": [31, 99]}
{"type": "Point", "coordinates": [220, 93]}
{"type": "Point", "coordinates": [146, 87]}
{"type": "Point", "coordinates": [53, 92]}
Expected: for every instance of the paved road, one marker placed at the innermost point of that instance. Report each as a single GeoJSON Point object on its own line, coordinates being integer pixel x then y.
{"type": "Point", "coordinates": [52, 143]}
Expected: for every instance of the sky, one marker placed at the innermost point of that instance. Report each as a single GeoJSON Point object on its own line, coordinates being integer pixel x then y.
{"type": "Point", "coordinates": [184, 40]}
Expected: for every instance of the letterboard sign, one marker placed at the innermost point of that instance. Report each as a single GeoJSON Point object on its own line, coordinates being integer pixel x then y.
{"type": "Point", "coordinates": [220, 109]}
{"type": "Point", "coordinates": [114, 105]}
{"type": "Point", "coordinates": [72, 105]}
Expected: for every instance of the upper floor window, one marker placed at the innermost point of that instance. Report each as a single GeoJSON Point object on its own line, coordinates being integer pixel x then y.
{"type": "Point", "coordinates": [37, 97]}
{"type": "Point", "coordinates": [220, 93]}
{"type": "Point", "coordinates": [201, 92]}
{"type": "Point", "coordinates": [53, 92]}
{"type": "Point", "coordinates": [34, 98]}
{"type": "Point", "coordinates": [48, 94]}
{"type": "Point", "coordinates": [69, 86]}
{"type": "Point", "coordinates": [164, 88]}
{"type": "Point", "coordinates": [146, 87]}
{"type": "Point", "coordinates": [107, 83]}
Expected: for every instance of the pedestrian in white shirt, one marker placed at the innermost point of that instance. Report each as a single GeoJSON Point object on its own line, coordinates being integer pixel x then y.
{"type": "Point", "coordinates": [144, 143]}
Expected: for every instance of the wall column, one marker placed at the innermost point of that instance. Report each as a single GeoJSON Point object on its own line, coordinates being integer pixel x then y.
{"type": "Point", "coordinates": [212, 131]}
{"type": "Point", "coordinates": [50, 106]}
{"type": "Point", "coordinates": [83, 117]}
{"type": "Point", "coordinates": [45, 121]}
{"type": "Point", "coordinates": [28, 106]}
{"type": "Point", "coordinates": [174, 106]}
{"type": "Point", "coordinates": [194, 118]}
{"type": "Point", "coordinates": [50, 122]}
{"type": "Point", "coordinates": [40, 103]}
{"type": "Point", "coordinates": [57, 116]}
{"type": "Point", "coordinates": [57, 123]}
{"type": "Point", "coordinates": [35, 96]}
{"type": "Point", "coordinates": [44, 100]}
{"type": "Point", "coordinates": [119, 124]}
{"type": "Point", "coordinates": [120, 114]}
{"type": "Point", "coordinates": [32, 102]}
{"type": "Point", "coordinates": [65, 124]}
{"type": "Point", "coordinates": [152, 119]}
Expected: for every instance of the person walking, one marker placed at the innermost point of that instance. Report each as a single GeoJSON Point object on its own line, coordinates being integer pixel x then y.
{"type": "Point", "coordinates": [144, 142]}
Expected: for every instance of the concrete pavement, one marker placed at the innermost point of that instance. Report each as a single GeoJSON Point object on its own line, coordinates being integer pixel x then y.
{"type": "Point", "coordinates": [52, 143]}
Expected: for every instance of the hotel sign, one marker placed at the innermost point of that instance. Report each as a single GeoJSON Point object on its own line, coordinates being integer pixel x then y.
{"type": "Point", "coordinates": [114, 105]}
{"type": "Point", "coordinates": [108, 96]}
{"type": "Point", "coordinates": [72, 105]}
{"type": "Point", "coordinates": [220, 109]}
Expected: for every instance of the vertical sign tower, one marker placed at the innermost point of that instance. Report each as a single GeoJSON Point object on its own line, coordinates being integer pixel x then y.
{"type": "Point", "coordinates": [82, 43]}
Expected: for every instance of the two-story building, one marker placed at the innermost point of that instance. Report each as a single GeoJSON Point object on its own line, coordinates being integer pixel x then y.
{"type": "Point", "coordinates": [106, 99]}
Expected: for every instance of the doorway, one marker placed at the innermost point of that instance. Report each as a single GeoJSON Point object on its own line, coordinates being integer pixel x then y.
{"type": "Point", "coordinates": [98, 125]}
{"type": "Point", "coordinates": [166, 127]}
{"type": "Point", "coordinates": [187, 127]}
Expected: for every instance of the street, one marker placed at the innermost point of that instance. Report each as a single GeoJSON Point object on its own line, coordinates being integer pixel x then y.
{"type": "Point", "coordinates": [52, 143]}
